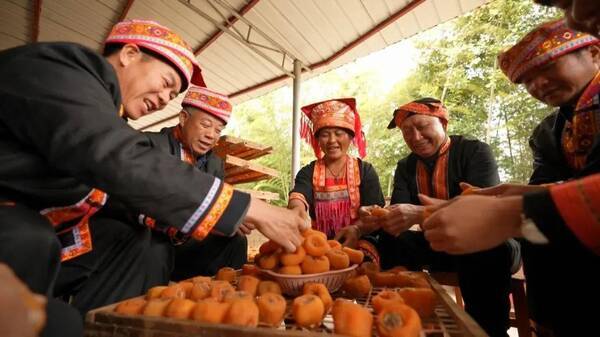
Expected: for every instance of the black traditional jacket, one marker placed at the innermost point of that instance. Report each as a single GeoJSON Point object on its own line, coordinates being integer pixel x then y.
{"type": "Point", "coordinates": [581, 265]}
{"type": "Point", "coordinates": [470, 161]}
{"type": "Point", "coordinates": [60, 134]}
{"type": "Point", "coordinates": [209, 163]}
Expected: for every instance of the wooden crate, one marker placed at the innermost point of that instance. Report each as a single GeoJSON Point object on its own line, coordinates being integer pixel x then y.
{"type": "Point", "coordinates": [449, 320]}
{"type": "Point", "coordinates": [262, 195]}
{"type": "Point", "coordinates": [240, 148]}
{"type": "Point", "coordinates": [239, 171]}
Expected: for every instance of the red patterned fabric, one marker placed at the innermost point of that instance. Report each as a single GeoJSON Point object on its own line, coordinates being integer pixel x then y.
{"type": "Point", "coordinates": [215, 213]}
{"type": "Point", "coordinates": [541, 46]}
{"type": "Point", "coordinates": [212, 102]}
{"type": "Point", "coordinates": [578, 203]}
{"type": "Point", "coordinates": [370, 251]}
{"type": "Point", "coordinates": [185, 154]}
{"type": "Point", "coordinates": [578, 135]}
{"type": "Point", "coordinates": [336, 201]}
{"type": "Point", "coordinates": [431, 109]}
{"type": "Point", "coordinates": [81, 210]}
{"type": "Point", "coordinates": [340, 113]}
{"type": "Point", "coordinates": [161, 40]}
{"type": "Point", "coordinates": [435, 185]}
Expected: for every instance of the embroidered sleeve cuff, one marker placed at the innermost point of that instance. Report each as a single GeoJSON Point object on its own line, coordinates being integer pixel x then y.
{"type": "Point", "coordinates": [578, 203]}
{"type": "Point", "coordinates": [541, 209]}
{"type": "Point", "coordinates": [225, 214]}
{"type": "Point", "coordinates": [234, 214]}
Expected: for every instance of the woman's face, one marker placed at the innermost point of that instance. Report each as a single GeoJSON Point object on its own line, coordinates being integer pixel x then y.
{"type": "Point", "coordinates": [334, 142]}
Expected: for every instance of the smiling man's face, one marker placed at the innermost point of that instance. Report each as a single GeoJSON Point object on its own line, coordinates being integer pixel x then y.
{"type": "Point", "coordinates": [200, 130]}
{"type": "Point", "coordinates": [423, 134]}
{"type": "Point", "coordinates": [147, 83]}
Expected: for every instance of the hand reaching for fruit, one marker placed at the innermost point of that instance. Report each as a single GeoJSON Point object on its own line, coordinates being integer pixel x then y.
{"type": "Point", "coordinates": [278, 224]}
{"type": "Point", "coordinates": [394, 219]}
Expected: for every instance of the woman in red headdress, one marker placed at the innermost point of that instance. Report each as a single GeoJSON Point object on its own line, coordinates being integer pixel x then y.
{"type": "Point", "coordinates": [334, 187]}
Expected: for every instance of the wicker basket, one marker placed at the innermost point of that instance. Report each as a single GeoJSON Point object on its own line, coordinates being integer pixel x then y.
{"type": "Point", "coordinates": [292, 284]}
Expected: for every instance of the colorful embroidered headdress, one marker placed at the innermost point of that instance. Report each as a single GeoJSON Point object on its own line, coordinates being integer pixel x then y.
{"type": "Point", "coordinates": [541, 46]}
{"type": "Point", "coordinates": [162, 41]}
{"type": "Point", "coordinates": [424, 106]}
{"type": "Point", "coordinates": [212, 102]}
{"type": "Point", "coordinates": [340, 113]}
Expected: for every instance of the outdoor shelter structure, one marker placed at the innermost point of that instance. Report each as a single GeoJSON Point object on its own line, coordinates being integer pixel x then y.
{"type": "Point", "coordinates": [246, 47]}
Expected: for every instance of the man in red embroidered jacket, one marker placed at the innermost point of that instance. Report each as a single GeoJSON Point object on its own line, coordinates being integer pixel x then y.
{"type": "Point", "coordinates": [61, 132]}
{"type": "Point", "coordinates": [436, 165]}
{"type": "Point", "coordinates": [560, 67]}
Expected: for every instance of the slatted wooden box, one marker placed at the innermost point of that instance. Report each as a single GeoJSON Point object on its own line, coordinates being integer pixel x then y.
{"type": "Point", "coordinates": [449, 320]}
{"type": "Point", "coordinates": [237, 154]}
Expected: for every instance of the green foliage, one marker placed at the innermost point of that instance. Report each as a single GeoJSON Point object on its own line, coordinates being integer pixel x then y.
{"type": "Point", "coordinates": [457, 64]}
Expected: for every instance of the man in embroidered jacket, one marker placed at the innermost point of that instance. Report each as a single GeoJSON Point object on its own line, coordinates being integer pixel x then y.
{"type": "Point", "coordinates": [560, 222]}
{"type": "Point", "coordinates": [435, 167]}
{"type": "Point", "coordinates": [204, 115]}
{"type": "Point", "coordinates": [60, 132]}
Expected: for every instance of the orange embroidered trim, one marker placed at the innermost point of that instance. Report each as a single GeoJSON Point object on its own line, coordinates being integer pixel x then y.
{"type": "Point", "coordinates": [578, 203]}
{"type": "Point", "coordinates": [83, 240]}
{"type": "Point", "coordinates": [319, 175]}
{"type": "Point", "coordinates": [431, 109]}
{"type": "Point", "coordinates": [212, 102]}
{"type": "Point", "coordinates": [90, 204]}
{"type": "Point", "coordinates": [578, 136]}
{"type": "Point", "coordinates": [215, 213]}
{"type": "Point", "coordinates": [541, 46]}
{"type": "Point", "coordinates": [370, 250]}
{"type": "Point", "coordinates": [185, 154]}
{"type": "Point", "coordinates": [149, 222]}
{"type": "Point", "coordinates": [85, 208]}
{"type": "Point", "coordinates": [352, 182]}
{"type": "Point", "coordinates": [439, 180]}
